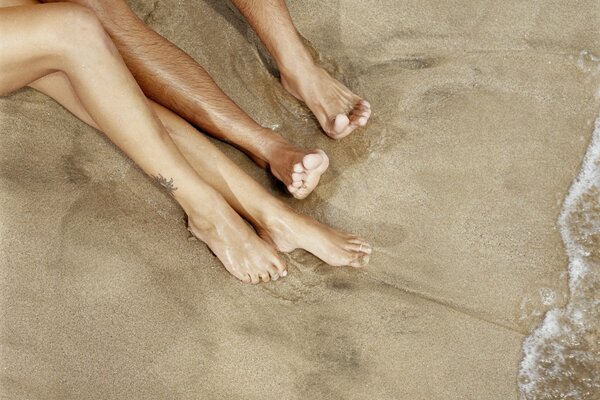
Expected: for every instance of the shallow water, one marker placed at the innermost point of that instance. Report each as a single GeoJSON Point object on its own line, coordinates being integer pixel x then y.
{"type": "Point", "coordinates": [562, 355]}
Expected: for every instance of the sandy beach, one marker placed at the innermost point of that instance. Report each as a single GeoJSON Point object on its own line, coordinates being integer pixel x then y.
{"type": "Point", "coordinates": [483, 112]}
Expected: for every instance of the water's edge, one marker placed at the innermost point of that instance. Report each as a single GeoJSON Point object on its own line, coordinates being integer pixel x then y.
{"type": "Point", "coordinates": [561, 357]}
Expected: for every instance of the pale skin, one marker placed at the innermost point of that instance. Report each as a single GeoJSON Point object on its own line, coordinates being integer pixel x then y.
{"type": "Point", "coordinates": [172, 78]}
{"type": "Point", "coordinates": [62, 50]}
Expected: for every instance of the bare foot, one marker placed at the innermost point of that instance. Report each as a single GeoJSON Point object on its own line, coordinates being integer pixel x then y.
{"type": "Point", "coordinates": [288, 230]}
{"type": "Point", "coordinates": [338, 110]}
{"type": "Point", "coordinates": [242, 252]}
{"type": "Point", "coordinates": [300, 170]}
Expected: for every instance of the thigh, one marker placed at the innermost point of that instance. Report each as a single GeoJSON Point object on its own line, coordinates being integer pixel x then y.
{"type": "Point", "coordinates": [31, 41]}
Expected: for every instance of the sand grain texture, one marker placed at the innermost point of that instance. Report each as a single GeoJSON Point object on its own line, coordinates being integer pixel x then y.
{"type": "Point", "coordinates": [482, 117]}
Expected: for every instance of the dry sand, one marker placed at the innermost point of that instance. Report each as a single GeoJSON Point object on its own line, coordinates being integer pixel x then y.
{"type": "Point", "coordinates": [482, 118]}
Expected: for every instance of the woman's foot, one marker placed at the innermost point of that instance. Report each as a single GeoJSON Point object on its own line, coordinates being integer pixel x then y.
{"type": "Point", "coordinates": [288, 230]}
{"type": "Point", "coordinates": [338, 110]}
{"type": "Point", "coordinates": [242, 252]}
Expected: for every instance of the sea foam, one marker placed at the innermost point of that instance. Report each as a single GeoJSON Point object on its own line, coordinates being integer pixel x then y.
{"type": "Point", "coordinates": [562, 356]}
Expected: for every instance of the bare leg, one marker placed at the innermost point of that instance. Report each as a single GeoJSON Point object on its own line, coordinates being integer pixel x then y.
{"type": "Point", "coordinates": [172, 78]}
{"type": "Point", "coordinates": [274, 221]}
{"type": "Point", "coordinates": [338, 109]}
{"type": "Point", "coordinates": [68, 42]}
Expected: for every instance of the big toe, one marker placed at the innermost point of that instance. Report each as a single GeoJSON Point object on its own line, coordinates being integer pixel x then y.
{"type": "Point", "coordinates": [340, 126]}
{"type": "Point", "coordinates": [313, 166]}
{"type": "Point", "coordinates": [316, 160]}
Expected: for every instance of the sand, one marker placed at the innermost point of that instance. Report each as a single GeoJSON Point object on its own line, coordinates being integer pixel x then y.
{"type": "Point", "coordinates": [483, 114]}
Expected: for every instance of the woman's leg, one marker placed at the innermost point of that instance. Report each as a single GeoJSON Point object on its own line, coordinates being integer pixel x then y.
{"type": "Point", "coordinates": [39, 40]}
{"type": "Point", "coordinates": [274, 221]}
{"type": "Point", "coordinates": [175, 80]}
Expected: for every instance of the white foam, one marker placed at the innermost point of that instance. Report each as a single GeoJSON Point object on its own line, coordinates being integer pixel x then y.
{"type": "Point", "coordinates": [546, 344]}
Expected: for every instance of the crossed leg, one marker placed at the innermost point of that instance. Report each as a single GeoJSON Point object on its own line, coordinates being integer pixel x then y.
{"type": "Point", "coordinates": [172, 78]}
{"type": "Point", "coordinates": [338, 110]}
{"type": "Point", "coordinates": [68, 43]}
{"type": "Point", "coordinates": [244, 255]}
{"type": "Point", "coordinates": [275, 222]}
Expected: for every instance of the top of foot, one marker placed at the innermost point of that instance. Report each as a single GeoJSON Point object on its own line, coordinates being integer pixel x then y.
{"type": "Point", "coordinates": [288, 230]}
{"type": "Point", "coordinates": [246, 256]}
{"type": "Point", "coordinates": [338, 110]}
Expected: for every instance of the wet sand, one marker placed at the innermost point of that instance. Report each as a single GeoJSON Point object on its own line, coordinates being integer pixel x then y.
{"type": "Point", "coordinates": [483, 114]}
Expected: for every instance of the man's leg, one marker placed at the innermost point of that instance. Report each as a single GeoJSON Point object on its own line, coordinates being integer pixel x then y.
{"type": "Point", "coordinates": [69, 43]}
{"type": "Point", "coordinates": [338, 109]}
{"type": "Point", "coordinates": [172, 78]}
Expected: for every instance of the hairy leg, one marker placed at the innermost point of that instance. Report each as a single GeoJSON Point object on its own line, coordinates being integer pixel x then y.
{"type": "Point", "coordinates": [338, 109]}
{"type": "Point", "coordinates": [69, 43]}
{"type": "Point", "coordinates": [274, 221]}
{"type": "Point", "coordinates": [172, 78]}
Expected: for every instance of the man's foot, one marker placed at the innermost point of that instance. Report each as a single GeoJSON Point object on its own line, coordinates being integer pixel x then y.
{"type": "Point", "coordinates": [300, 170]}
{"type": "Point", "coordinates": [338, 110]}
{"type": "Point", "coordinates": [288, 230]}
{"type": "Point", "coordinates": [242, 252]}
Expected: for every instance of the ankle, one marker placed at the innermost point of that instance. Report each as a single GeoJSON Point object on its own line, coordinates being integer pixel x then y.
{"type": "Point", "coordinates": [272, 149]}
{"type": "Point", "coordinates": [264, 146]}
{"type": "Point", "coordinates": [207, 219]}
{"type": "Point", "coordinates": [275, 217]}
{"type": "Point", "coordinates": [295, 64]}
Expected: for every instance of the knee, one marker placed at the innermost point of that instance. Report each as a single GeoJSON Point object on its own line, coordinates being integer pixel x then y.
{"type": "Point", "coordinates": [82, 30]}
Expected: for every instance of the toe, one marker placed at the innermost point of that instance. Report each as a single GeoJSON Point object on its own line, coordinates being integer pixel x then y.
{"type": "Point", "coordinates": [298, 167]}
{"type": "Point", "coordinates": [360, 116]}
{"type": "Point", "coordinates": [359, 241]}
{"type": "Point", "coordinates": [359, 260]}
{"type": "Point", "coordinates": [301, 194]}
{"type": "Point", "coordinates": [279, 268]}
{"type": "Point", "coordinates": [246, 278]}
{"type": "Point", "coordinates": [348, 131]}
{"type": "Point", "coordinates": [273, 272]}
{"type": "Point", "coordinates": [314, 160]}
{"type": "Point", "coordinates": [298, 176]}
{"type": "Point", "coordinates": [254, 278]}
{"type": "Point", "coordinates": [365, 104]}
{"type": "Point", "coordinates": [297, 184]}
{"type": "Point", "coordinates": [265, 276]}
{"type": "Point", "coordinates": [359, 248]}
{"type": "Point", "coordinates": [279, 264]}
{"type": "Point", "coordinates": [340, 125]}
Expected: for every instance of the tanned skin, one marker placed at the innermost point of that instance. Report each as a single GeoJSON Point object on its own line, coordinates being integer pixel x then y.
{"type": "Point", "coordinates": [64, 44]}
{"type": "Point", "coordinates": [84, 72]}
{"type": "Point", "coordinates": [338, 110]}
{"type": "Point", "coordinates": [173, 79]}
